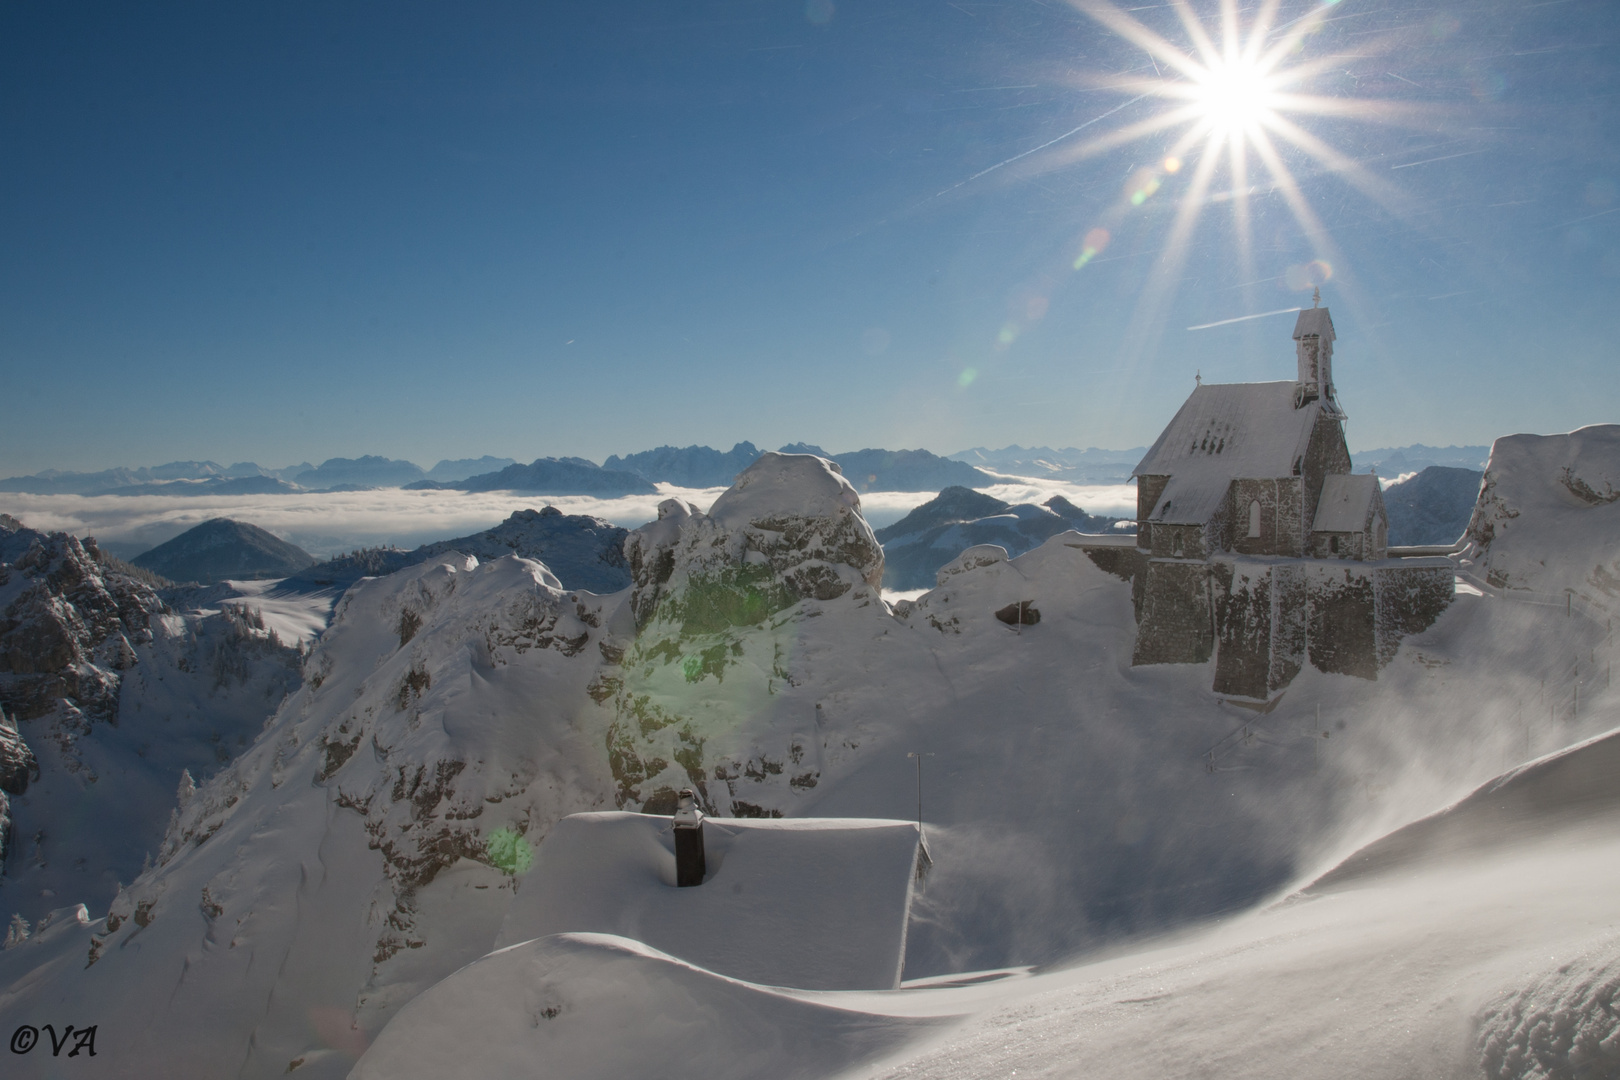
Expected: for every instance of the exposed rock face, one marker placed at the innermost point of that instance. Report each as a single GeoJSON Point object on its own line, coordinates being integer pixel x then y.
{"type": "Point", "coordinates": [17, 766]}
{"type": "Point", "coordinates": [223, 549]}
{"type": "Point", "coordinates": [67, 629]}
{"type": "Point", "coordinates": [421, 794]}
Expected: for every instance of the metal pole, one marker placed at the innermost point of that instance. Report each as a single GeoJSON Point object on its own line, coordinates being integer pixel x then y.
{"type": "Point", "coordinates": [919, 755]}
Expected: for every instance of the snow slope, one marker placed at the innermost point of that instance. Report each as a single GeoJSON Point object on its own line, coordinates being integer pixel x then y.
{"type": "Point", "coordinates": [595, 1005]}
{"type": "Point", "coordinates": [1501, 960]}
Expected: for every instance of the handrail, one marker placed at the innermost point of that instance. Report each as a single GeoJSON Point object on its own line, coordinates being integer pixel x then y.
{"type": "Point", "coordinates": [1417, 551]}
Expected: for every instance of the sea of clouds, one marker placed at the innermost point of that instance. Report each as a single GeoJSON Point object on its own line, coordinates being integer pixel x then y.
{"type": "Point", "coordinates": [331, 523]}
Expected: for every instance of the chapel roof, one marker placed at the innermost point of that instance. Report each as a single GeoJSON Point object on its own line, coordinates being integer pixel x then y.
{"type": "Point", "coordinates": [1345, 503]}
{"type": "Point", "coordinates": [1314, 320]}
{"type": "Point", "coordinates": [1222, 433]}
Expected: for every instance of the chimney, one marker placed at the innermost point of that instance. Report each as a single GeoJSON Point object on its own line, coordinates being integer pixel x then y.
{"type": "Point", "coordinates": [690, 867]}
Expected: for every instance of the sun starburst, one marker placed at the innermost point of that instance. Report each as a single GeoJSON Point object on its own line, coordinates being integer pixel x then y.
{"type": "Point", "coordinates": [1233, 101]}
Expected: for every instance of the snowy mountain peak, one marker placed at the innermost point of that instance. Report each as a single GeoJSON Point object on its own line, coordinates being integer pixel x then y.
{"type": "Point", "coordinates": [779, 486]}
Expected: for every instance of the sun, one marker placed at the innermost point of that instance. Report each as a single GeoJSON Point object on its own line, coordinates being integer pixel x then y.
{"type": "Point", "coordinates": [1227, 110]}
{"type": "Point", "coordinates": [1234, 98]}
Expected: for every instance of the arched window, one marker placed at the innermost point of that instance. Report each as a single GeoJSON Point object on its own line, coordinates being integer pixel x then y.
{"type": "Point", "coordinates": [1254, 519]}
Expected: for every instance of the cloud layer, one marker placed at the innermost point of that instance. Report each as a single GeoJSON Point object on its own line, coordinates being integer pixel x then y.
{"type": "Point", "coordinates": [326, 524]}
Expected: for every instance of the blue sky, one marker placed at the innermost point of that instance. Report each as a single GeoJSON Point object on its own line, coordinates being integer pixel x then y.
{"type": "Point", "coordinates": [291, 231]}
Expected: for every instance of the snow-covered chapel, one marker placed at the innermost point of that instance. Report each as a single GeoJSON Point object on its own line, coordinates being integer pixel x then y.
{"type": "Point", "coordinates": [1257, 545]}
{"type": "Point", "coordinates": [1261, 469]}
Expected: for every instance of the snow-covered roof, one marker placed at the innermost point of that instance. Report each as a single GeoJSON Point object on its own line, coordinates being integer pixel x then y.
{"type": "Point", "coordinates": [1345, 503]}
{"type": "Point", "coordinates": [816, 903]}
{"type": "Point", "coordinates": [1314, 321]}
{"type": "Point", "coordinates": [1224, 432]}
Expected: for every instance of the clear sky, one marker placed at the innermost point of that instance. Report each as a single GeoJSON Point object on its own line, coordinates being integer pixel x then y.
{"type": "Point", "coordinates": [295, 230]}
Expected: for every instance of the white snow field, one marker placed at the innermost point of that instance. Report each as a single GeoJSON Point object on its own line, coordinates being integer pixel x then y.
{"type": "Point", "coordinates": [296, 617]}
{"type": "Point", "coordinates": [371, 842]}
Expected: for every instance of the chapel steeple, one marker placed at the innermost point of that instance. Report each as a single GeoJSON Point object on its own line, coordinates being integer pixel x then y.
{"type": "Point", "coordinates": [1313, 343]}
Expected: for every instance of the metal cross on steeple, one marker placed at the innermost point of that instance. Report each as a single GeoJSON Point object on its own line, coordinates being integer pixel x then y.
{"type": "Point", "coordinates": [1316, 297]}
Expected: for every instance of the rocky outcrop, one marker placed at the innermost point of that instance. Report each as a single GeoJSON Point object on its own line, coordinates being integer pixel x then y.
{"type": "Point", "coordinates": [715, 600]}
{"type": "Point", "coordinates": [1551, 493]}
{"type": "Point", "coordinates": [68, 628]}
{"type": "Point", "coordinates": [106, 695]}
{"type": "Point", "coordinates": [17, 767]}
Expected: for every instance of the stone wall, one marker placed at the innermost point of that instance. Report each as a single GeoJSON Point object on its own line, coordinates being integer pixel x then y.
{"type": "Point", "coordinates": [1263, 618]}
{"type": "Point", "coordinates": [1290, 619]}
{"type": "Point", "coordinates": [1410, 594]}
{"type": "Point", "coordinates": [1341, 630]}
{"type": "Point", "coordinates": [1148, 490]}
{"type": "Point", "coordinates": [1176, 541]}
{"type": "Point", "coordinates": [1281, 531]}
{"type": "Point", "coordinates": [1177, 624]}
{"type": "Point", "coordinates": [1243, 623]}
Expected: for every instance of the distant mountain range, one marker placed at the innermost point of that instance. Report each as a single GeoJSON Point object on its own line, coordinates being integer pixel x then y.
{"type": "Point", "coordinates": [687, 466]}
{"type": "Point", "coordinates": [916, 546]}
{"type": "Point", "coordinates": [867, 470]}
{"type": "Point", "coordinates": [1401, 460]}
{"type": "Point", "coordinates": [550, 476]}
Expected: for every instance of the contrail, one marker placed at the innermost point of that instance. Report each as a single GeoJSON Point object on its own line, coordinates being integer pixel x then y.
{"type": "Point", "coordinates": [1043, 146]}
{"type": "Point", "coordinates": [1244, 318]}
